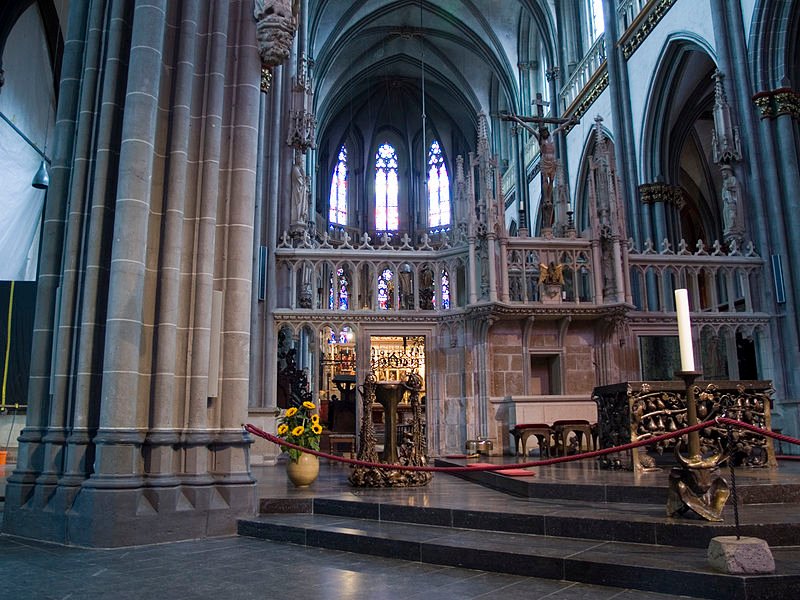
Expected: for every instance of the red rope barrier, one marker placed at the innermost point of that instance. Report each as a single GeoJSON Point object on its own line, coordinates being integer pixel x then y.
{"type": "Point", "coordinates": [538, 463]}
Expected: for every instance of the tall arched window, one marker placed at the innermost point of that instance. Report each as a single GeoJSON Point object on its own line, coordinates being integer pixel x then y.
{"type": "Point", "coordinates": [438, 188]}
{"type": "Point", "coordinates": [595, 17]}
{"type": "Point", "coordinates": [338, 198]}
{"type": "Point", "coordinates": [386, 218]}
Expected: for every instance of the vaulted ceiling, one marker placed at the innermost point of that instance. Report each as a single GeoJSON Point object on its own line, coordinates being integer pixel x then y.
{"type": "Point", "coordinates": [372, 57]}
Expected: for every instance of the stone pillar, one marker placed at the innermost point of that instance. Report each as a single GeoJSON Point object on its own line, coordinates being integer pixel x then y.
{"type": "Point", "coordinates": [619, 89]}
{"type": "Point", "coordinates": [156, 170]}
{"type": "Point", "coordinates": [491, 251]}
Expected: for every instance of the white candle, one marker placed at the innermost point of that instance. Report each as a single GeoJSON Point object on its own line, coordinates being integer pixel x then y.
{"type": "Point", "coordinates": [684, 330]}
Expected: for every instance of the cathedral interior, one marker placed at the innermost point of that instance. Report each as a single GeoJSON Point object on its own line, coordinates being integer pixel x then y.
{"type": "Point", "coordinates": [501, 196]}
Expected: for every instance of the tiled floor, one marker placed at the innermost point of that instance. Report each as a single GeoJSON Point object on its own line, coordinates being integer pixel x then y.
{"type": "Point", "coordinates": [242, 568]}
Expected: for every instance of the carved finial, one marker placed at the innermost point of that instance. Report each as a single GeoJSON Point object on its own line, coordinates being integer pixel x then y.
{"type": "Point", "coordinates": [725, 140]}
{"type": "Point", "coordinates": [483, 134]}
{"type": "Point", "coordinates": [598, 130]}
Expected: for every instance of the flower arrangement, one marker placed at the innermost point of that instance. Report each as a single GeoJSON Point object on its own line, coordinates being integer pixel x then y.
{"type": "Point", "coordinates": [300, 426]}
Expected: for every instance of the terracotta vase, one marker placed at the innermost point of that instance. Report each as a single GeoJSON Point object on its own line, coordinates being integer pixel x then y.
{"type": "Point", "coordinates": [304, 471]}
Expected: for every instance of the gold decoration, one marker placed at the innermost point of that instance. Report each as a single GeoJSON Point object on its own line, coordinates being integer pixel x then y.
{"type": "Point", "coordinates": [643, 26]}
{"type": "Point", "coordinates": [775, 103]}
{"type": "Point", "coordinates": [266, 79]}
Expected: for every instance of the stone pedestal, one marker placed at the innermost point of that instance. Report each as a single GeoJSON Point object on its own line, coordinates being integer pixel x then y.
{"type": "Point", "coordinates": [738, 556]}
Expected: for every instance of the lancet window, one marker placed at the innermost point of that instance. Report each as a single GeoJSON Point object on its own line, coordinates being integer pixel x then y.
{"type": "Point", "coordinates": [445, 290]}
{"type": "Point", "coordinates": [438, 188]}
{"type": "Point", "coordinates": [338, 294]}
{"type": "Point", "coordinates": [385, 289]}
{"type": "Point", "coordinates": [595, 17]}
{"type": "Point", "coordinates": [386, 189]}
{"type": "Point", "coordinates": [338, 198]}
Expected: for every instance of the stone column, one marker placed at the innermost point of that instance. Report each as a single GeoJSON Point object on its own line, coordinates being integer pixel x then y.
{"type": "Point", "coordinates": [491, 251]}
{"type": "Point", "coordinates": [619, 89]}
{"type": "Point", "coordinates": [32, 458]}
{"type": "Point", "coordinates": [158, 176]}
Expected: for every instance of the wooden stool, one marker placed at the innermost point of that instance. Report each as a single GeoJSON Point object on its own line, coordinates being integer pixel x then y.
{"type": "Point", "coordinates": [581, 429]}
{"type": "Point", "coordinates": [347, 439]}
{"type": "Point", "coordinates": [542, 432]}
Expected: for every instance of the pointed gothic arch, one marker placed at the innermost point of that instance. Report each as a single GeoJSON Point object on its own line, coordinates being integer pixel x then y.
{"type": "Point", "coordinates": [675, 155]}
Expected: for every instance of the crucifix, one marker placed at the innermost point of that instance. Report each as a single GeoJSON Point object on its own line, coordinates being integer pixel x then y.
{"type": "Point", "coordinates": [547, 149]}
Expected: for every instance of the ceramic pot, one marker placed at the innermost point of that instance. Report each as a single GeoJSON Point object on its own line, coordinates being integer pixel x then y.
{"type": "Point", "coordinates": [304, 471]}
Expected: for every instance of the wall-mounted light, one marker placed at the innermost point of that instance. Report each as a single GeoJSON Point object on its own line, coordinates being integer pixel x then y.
{"type": "Point", "coordinates": [41, 181]}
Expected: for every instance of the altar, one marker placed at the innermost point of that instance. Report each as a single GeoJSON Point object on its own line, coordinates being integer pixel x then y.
{"type": "Point", "coordinates": [638, 410]}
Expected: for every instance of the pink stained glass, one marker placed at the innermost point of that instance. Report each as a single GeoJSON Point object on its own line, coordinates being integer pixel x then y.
{"type": "Point", "coordinates": [438, 188]}
{"type": "Point", "coordinates": [338, 196]}
{"type": "Point", "coordinates": [386, 189]}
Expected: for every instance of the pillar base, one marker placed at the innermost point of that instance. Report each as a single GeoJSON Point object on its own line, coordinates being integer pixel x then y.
{"type": "Point", "coordinates": [111, 518]}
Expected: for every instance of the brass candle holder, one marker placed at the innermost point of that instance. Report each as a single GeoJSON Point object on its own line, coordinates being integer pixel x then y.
{"type": "Point", "coordinates": [696, 485]}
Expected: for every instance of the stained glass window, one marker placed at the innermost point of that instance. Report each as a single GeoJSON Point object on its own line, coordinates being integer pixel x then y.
{"type": "Point", "coordinates": [438, 188]}
{"type": "Point", "coordinates": [386, 191]}
{"type": "Point", "coordinates": [338, 198]}
{"type": "Point", "coordinates": [385, 289]}
{"type": "Point", "coordinates": [338, 296]}
{"type": "Point", "coordinates": [445, 290]}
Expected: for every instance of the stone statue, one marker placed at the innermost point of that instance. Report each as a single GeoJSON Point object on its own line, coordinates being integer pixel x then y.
{"type": "Point", "coordinates": [276, 23]}
{"type": "Point", "coordinates": [730, 202]}
{"type": "Point", "coordinates": [299, 191]}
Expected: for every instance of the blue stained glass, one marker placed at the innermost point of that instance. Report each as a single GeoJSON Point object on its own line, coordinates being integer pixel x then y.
{"type": "Point", "coordinates": [384, 289]}
{"type": "Point", "coordinates": [343, 285]}
{"type": "Point", "coordinates": [445, 290]}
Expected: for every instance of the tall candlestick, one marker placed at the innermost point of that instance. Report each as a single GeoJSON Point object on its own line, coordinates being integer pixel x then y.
{"type": "Point", "coordinates": [684, 330]}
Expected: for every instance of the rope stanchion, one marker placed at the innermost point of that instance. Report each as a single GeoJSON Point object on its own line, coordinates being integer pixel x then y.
{"type": "Point", "coordinates": [537, 463]}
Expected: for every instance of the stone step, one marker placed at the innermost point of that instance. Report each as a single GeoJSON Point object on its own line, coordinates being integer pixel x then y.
{"type": "Point", "coordinates": [779, 524]}
{"type": "Point", "coordinates": [755, 486]}
{"type": "Point", "coordinates": [651, 567]}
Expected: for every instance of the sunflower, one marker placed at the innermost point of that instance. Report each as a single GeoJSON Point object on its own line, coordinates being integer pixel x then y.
{"type": "Point", "coordinates": [300, 427]}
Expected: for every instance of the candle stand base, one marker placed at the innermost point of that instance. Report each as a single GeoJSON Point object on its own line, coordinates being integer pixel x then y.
{"type": "Point", "coordinates": [696, 485]}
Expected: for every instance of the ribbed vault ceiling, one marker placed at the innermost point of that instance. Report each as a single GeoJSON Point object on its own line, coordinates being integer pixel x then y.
{"type": "Point", "coordinates": [370, 55]}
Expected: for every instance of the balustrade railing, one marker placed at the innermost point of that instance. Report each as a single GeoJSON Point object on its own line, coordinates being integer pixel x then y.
{"type": "Point", "coordinates": [595, 58]}
{"type": "Point", "coordinates": [530, 271]}
{"type": "Point", "coordinates": [628, 10]}
{"type": "Point", "coordinates": [718, 279]}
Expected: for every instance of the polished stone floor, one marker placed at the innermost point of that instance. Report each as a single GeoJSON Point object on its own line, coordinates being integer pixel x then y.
{"type": "Point", "coordinates": [242, 568]}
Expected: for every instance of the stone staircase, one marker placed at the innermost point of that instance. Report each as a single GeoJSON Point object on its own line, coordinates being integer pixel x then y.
{"type": "Point", "coordinates": [627, 543]}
